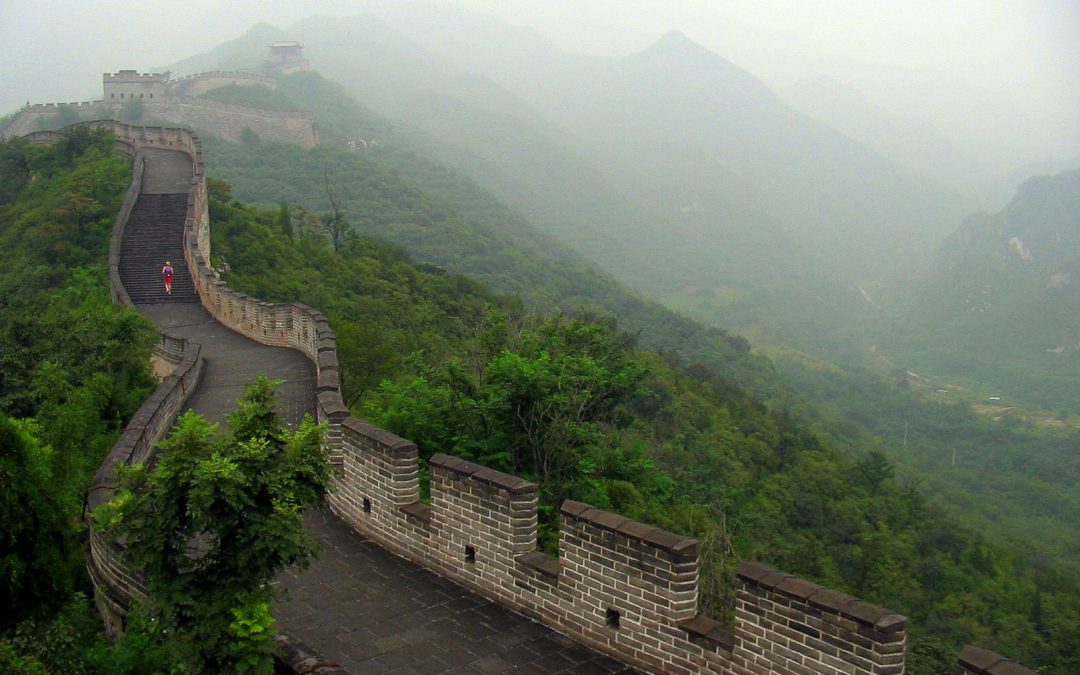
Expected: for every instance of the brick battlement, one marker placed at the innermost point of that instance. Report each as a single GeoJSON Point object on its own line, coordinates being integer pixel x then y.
{"type": "Point", "coordinates": [622, 587]}
{"type": "Point", "coordinates": [200, 83]}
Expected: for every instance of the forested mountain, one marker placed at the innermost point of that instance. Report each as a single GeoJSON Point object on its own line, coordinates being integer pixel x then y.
{"type": "Point", "coordinates": [480, 237]}
{"type": "Point", "coordinates": [911, 141]}
{"type": "Point", "coordinates": [680, 173]}
{"type": "Point", "coordinates": [1003, 305]}
{"type": "Point", "coordinates": [444, 219]}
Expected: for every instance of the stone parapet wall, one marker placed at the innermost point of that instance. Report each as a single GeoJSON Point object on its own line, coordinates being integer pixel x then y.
{"type": "Point", "coordinates": [975, 661]}
{"type": "Point", "coordinates": [114, 585]}
{"type": "Point", "coordinates": [200, 83]}
{"type": "Point", "coordinates": [32, 117]}
{"type": "Point", "coordinates": [229, 121]}
{"type": "Point", "coordinates": [290, 324]}
{"type": "Point", "coordinates": [622, 587]}
{"type": "Point", "coordinates": [791, 626]}
{"type": "Point", "coordinates": [220, 119]}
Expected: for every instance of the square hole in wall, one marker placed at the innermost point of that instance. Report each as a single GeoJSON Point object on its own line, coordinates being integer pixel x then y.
{"type": "Point", "coordinates": [613, 616]}
{"type": "Point", "coordinates": [470, 554]}
{"type": "Point", "coordinates": [367, 505]}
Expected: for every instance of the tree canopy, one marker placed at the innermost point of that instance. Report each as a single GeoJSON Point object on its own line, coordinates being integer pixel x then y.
{"type": "Point", "coordinates": [213, 521]}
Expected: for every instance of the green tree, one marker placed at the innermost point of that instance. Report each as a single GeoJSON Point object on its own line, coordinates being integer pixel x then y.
{"type": "Point", "coordinates": [214, 521]}
{"type": "Point", "coordinates": [542, 400]}
{"type": "Point", "coordinates": [284, 220]}
{"type": "Point", "coordinates": [37, 565]}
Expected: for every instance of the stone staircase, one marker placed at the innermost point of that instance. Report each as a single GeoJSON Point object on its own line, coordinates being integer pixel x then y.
{"type": "Point", "coordinates": [154, 234]}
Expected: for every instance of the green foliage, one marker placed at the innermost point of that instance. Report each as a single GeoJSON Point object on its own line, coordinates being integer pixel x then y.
{"type": "Point", "coordinates": [213, 522]}
{"type": "Point", "coordinates": [38, 553]}
{"type": "Point", "coordinates": [540, 398]}
{"type": "Point", "coordinates": [73, 367]}
{"type": "Point", "coordinates": [70, 641]}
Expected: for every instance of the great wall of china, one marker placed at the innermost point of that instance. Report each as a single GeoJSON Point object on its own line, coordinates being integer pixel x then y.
{"type": "Point", "coordinates": [621, 587]}
{"type": "Point", "coordinates": [177, 102]}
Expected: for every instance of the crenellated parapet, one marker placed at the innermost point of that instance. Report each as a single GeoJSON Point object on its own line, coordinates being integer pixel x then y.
{"type": "Point", "coordinates": [200, 83]}
{"type": "Point", "coordinates": [620, 586]}
{"type": "Point", "coordinates": [131, 85]}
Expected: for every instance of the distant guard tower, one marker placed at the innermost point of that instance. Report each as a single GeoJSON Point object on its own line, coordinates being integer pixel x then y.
{"type": "Point", "coordinates": [127, 85]}
{"type": "Point", "coordinates": [286, 57]}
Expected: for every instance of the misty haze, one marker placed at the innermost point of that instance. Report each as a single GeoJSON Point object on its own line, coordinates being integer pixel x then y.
{"type": "Point", "coordinates": [664, 298]}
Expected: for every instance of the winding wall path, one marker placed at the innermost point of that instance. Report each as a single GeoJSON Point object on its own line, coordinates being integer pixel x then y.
{"type": "Point", "coordinates": [358, 605]}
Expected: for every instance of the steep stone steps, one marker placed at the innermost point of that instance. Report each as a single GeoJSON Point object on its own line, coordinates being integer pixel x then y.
{"type": "Point", "coordinates": [154, 234]}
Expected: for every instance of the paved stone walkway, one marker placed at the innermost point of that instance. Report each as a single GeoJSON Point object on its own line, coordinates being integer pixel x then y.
{"type": "Point", "coordinates": [357, 604]}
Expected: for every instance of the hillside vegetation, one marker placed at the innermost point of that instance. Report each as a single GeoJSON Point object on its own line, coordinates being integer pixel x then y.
{"type": "Point", "coordinates": [1003, 303]}
{"type": "Point", "coordinates": [73, 369]}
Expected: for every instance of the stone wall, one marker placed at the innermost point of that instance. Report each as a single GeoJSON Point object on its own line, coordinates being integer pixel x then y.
{"type": "Point", "coordinates": [114, 585]}
{"type": "Point", "coordinates": [200, 83]}
{"type": "Point", "coordinates": [619, 586]}
{"type": "Point", "coordinates": [212, 117]}
{"type": "Point", "coordinates": [128, 85]}
{"type": "Point", "coordinates": [34, 117]}
{"type": "Point", "coordinates": [791, 625]}
{"type": "Point", "coordinates": [975, 661]}
{"type": "Point", "coordinates": [229, 121]}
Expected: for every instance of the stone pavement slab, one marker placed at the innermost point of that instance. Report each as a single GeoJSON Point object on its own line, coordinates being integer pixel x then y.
{"type": "Point", "coordinates": [373, 612]}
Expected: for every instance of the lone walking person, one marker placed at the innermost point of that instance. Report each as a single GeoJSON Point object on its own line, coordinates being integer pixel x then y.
{"type": "Point", "coordinates": [167, 274]}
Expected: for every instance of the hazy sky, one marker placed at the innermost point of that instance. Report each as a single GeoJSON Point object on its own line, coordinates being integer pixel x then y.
{"type": "Point", "coordinates": [1029, 50]}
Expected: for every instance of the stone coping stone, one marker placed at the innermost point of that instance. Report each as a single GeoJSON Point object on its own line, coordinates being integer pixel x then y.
{"type": "Point", "coordinates": [374, 433]}
{"type": "Point", "coordinates": [328, 360]}
{"type": "Point", "coordinates": [327, 380]}
{"type": "Point", "coordinates": [331, 404]}
{"type": "Point", "coordinates": [541, 562]}
{"type": "Point", "coordinates": [654, 536]}
{"type": "Point", "coordinates": [710, 631]}
{"type": "Point", "coordinates": [482, 474]}
{"type": "Point", "coordinates": [986, 662]}
{"type": "Point", "coordinates": [417, 511]}
{"type": "Point", "coordinates": [825, 599]}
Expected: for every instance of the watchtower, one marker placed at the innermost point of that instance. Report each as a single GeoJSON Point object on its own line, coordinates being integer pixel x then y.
{"type": "Point", "coordinates": [286, 57]}
{"type": "Point", "coordinates": [127, 85]}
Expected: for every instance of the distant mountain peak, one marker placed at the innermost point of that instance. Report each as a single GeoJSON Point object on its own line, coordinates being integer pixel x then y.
{"type": "Point", "coordinates": [676, 41]}
{"type": "Point", "coordinates": [695, 65]}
